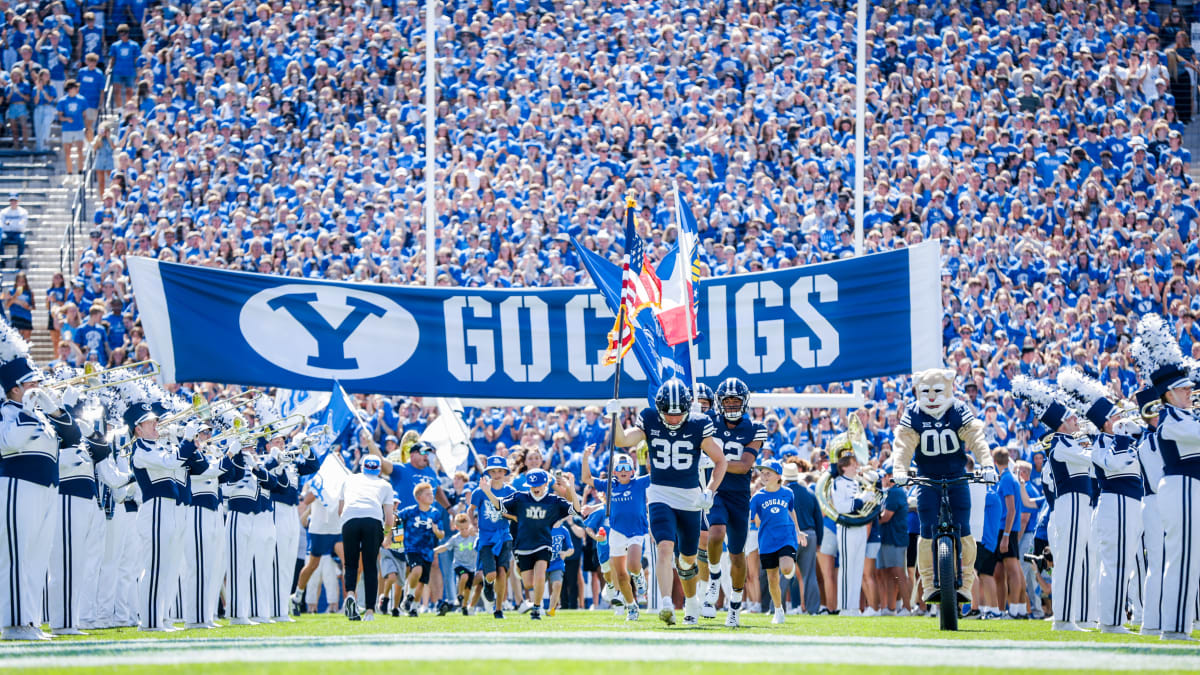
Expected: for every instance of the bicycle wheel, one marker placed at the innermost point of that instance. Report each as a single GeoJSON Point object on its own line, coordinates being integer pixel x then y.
{"type": "Point", "coordinates": [948, 602]}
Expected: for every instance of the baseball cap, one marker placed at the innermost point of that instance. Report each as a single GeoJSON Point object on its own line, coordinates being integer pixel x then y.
{"type": "Point", "coordinates": [771, 465]}
{"type": "Point", "coordinates": [537, 478]}
{"type": "Point", "coordinates": [371, 465]}
{"type": "Point", "coordinates": [497, 462]}
{"type": "Point", "coordinates": [789, 450]}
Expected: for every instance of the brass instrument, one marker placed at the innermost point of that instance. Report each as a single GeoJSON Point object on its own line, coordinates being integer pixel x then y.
{"type": "Point", "coordinates": [267, 429]}
{"type": "Point", "coordinates": [853, 440]}
{"type": "Point", "coordinates": [92, 379]}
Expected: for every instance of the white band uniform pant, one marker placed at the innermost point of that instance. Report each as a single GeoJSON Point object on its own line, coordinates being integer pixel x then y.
{"type": "Point", "coordinates": [1178, 499]}
{"type": "Point", "coordinates": [852, 551]}
{"type": "Point", "coordinates": [77, 528]}
{"type": "Point", "coordinates": [27, 512]}
{"type": "Point", "coordinates": [160, 524]}
{"type": "Point", "coordinates": [1152, 541]}
{"type": "Point", "coordinates": [1072, 518]}
{"type": "Point", "coordinates": [287, 533]}
{"type": "Point", "coordinates": [1116, 537]}
{"type": "Point", "coordinates": [204, 559]}
{"type": "Point", "coordinates": [263, 576]}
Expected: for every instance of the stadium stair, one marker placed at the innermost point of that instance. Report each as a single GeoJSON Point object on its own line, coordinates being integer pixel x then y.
{"type": "Point", "coordinates": [39, 179]}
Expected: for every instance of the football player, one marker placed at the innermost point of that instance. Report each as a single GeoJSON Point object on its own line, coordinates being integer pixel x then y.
{"type": "Point", "coordinates": [740, 440]}
{"type": "Point", "coordinates": [676, 438]}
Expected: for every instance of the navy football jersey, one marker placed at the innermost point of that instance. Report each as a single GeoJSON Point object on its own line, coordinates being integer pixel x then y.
{"type": "Point", "coordinates": [535, 519]}
{"type": "Point", "coordinates": [675, 455]}
{"type": "Point", "coordinates": [733, 442]}
{"type": "Point", "coordinates": [940, 452]}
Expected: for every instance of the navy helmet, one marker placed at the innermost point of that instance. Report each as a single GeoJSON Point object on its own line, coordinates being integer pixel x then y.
{"type": "Point", "coordinates": [705, 393]}
{"type": "Point", "coordinates": [673, 398]}
{"type": "Point", "coordinates": [735, 389]}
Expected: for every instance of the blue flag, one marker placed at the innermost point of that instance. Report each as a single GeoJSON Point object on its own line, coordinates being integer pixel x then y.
{"type": "Point", "coordinates": [337, 418]}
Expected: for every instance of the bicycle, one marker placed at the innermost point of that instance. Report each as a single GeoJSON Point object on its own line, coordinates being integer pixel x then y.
{"type": "Point", "coordinates": [947, 569]}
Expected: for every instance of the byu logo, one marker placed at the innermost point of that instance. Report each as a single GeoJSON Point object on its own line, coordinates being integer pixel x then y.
{"type": "Point", "coordinates": [535, 512]}
{"type": "Point", "coordinates": [323, 331]}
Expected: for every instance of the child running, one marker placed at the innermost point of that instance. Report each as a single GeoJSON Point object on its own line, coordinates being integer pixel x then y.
{"type": "Point", "coordinates": [561, 548]}
{"type": "Point", "coordinates": [779, 534]}
{"type": "Point", "coordinates": [463, 544]}
{"type": "Point", "coordinates": [494, 544]}
{"type": "Point", "coordinates": [627, 525]}
{"type": "Point", "coordinates": [421, 533]}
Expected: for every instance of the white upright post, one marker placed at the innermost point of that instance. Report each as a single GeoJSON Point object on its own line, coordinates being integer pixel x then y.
{"type": "Point", "coordinates": [430, 142]}
{"type": "Point", "coordinates": [860, 131]}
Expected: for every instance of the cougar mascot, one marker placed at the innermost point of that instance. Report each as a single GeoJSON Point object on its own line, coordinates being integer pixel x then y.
{"type": "Point", "coordinates": [935, 432]}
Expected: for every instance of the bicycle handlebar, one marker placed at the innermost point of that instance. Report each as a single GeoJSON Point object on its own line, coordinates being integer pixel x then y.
{"type": "Point", "coordinates": [947, 482]}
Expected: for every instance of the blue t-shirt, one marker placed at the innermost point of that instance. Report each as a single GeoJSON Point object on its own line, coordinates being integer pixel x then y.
{"type": "Point", "coordinates": [628, 505]}
{"type": "Point", "coordinates": [405, 477]}
{"type": "Point", "coordinates": [733, 443]}
{"type": "Point", "coordinates": [675, 455]}
{"type": "Point", "coordinates": [775, 526]}
{"type": "Point", "coordinates": [535, 519]}
{"type": "Point", "coordinates": [419, 537]}
{"type": "Point", "coordinates": [939, 453]}
{"type": "Point", "coordinates": [560, 540]}
{"type": "Point", "coordinates": [1008, 487]}
{"type": "Point", "coordinates": [124, 54]}
{"type": "Point", "coordinates": [72, 108]}
{"type": "Point", "coordinates": [594, 523]}
{"type": "Point", "coordinates": [993, 519]}
{"type": "Point", "coordinates": [493, 527]}
{"type": "Point", "coordinates": [895, 531]}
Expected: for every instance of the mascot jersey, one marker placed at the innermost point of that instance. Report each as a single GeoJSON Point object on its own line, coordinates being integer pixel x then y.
{"type": "Point", "coordinates": [940, 452]}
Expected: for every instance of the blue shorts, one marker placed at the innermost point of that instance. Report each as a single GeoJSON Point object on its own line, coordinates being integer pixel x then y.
{"type": "Point", "coordinates": [681, 527]}
{"type": "Point", "coordinates": [322, 544]}
{"type": "Point", "coordinates": [125, 80]}
{"type": "Point", "coordinates": [732, 510]}
{"type": "Point", "coordinates": [929, 502]}
{"type": "Point", "coordinates": [490, 560]}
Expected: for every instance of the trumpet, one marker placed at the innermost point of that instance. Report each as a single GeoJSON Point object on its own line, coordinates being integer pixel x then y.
{"type": "Point", "coordinates": [268, 429]}
{"type": "Point", "coordinates": [232, 403]}
{"type": "Point", "coordinates": [92, 381]}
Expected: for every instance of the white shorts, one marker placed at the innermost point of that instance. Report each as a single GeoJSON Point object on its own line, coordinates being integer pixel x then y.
{"type": "Point", "coordinates": [829, 543]}
{"type": "Point", "coordinates": [872, 550]}
{"type": "Point", "coordinates": [751, 541]}
{"type": "Point", "coordinates": [72, 136]}
{"type": "Point", "coordinates": [618, 544]}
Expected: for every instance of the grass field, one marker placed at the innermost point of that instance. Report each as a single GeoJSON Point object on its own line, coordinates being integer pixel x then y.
{"type": "Point", "coordinates": [603, 644]}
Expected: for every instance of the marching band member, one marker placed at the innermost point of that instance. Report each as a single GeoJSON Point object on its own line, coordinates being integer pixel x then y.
{"type": "Point", "coordinates": [33, 427]}
{"type": "Point", "coordinates": [1117, 520]}
{"type": "Point", "coordinates": [117, 528]}
{"type": "Point", "coordinates": [160, 472]}
{"type": "Point", "coordinates": [1070, 465]}
{"type": "Point", "coordinates": [1179, 488]}
{"type": "Point", "coordinates": [852, 539]}
{"type": "Point", "coordinates": [245, 484]}
{"type": "Point", "coordinates": [204, 559]}
{"type": "Point", "coordinates": [264, 540]}
{"type": "Point", "coordinates": [76, 532]}
{"type": "Point", "coordinates": [1151, 544]}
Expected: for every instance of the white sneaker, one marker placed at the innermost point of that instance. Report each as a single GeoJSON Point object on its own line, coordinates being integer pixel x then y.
{"type": "Point", "coordinates": [712, 593]}
{"type": "Point", "coordinates": [886, 612]}
{"type": "Point", "coordinates": [633, 614]}
{"type": "Point", "coordinates": [525, 607]}
{"type": "Point", "coordinates": [283, 619]}
{"type": "Point", "coordinates": [369, 616]}
{"type": "Point", "coordinates": [732, 620]}
{"type": "Point", "coordinates": [1169, 635]}
{"type": "Point", "coordinates": [903, 612]}
{"type": "Point", "coordinates": [850, 612]}
{"type": "Point", "coordinates": [870, 611]}
{"type": "Point", "coordinates": [708, 611]}
{"type": "Point", "coordinates": [1068, 626]}
{"type": "Point", "coordinates": [691, 611]}
{"type": "Point", "coordinates": [1154, 632]}
{"type": "Point", "coordinates": [691, 620]}
{"type": "Point", "coordinates": [196, 626]}
{"type": "Point", "coordinates": [67, 631]}
{"type": "Point", "coordinates": [236, 621]}
{"type": "Point", "coordinates": [779, 616]}
{"type": "Point", "coordinates": [1115, 630]}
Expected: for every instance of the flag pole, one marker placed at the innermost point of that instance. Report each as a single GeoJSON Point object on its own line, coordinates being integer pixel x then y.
{"type": "Point", "coordinates": [616, 417]}
{"type": "Point", "coordinates": [685, 267]}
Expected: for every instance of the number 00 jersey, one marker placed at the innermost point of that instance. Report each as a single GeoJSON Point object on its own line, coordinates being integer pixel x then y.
{"type": "Point", "coordinates": [940, 452]}
{"type": "Point", "coordinates": [674, 458]}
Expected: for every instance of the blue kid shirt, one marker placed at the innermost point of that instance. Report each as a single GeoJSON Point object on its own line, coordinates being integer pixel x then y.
{"type": "Point", "coordinates": [535, 519]}
{"type": "Point", "coordinates": [419, 537]}
{"type": "Point", "coordinates": [628, 505]}
{"type": "Point", "coordinates": [773, 510]}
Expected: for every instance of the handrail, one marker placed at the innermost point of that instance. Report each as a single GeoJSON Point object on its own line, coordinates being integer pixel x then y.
{"type": "Point", "coordinates": [78, 208]}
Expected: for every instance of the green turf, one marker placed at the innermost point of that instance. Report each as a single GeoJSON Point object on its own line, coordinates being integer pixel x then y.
{"type": "Point", "coordinates": [528, 668]}
{"type": "Point", "coordinates": [914, 627]}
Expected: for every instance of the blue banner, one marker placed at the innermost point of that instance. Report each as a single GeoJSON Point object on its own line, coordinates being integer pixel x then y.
{"type": "Point", "coordinates": [851, 319]}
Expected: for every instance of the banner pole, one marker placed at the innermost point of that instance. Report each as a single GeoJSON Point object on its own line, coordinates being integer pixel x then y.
{"type": "Point", "coordinates": [616, 418]}
{"type": "Point", "coordinates": [685, 267]}
{"type": "Point", "coordinates": [430, 140]}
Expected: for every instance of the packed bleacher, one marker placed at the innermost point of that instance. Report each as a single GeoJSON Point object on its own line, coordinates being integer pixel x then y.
{"type": "Point", "coordinates": [1041, 143]}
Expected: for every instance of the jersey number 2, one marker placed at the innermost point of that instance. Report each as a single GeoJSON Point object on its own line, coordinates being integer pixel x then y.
{"type": "Point", "coordinates": [668, 455]}
{"type": "Point", "coordinates": [936, 442]}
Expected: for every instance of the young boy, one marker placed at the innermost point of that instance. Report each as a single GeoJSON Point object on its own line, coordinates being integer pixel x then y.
{"type": "Point", "coordinates": [779, 534]}
{"type": "Point", "coordinates": [495, 539]}
{"type": "Point", "coordinates": [561, 548]}
{"type": "Point", "coordinates": [985, 597]}
{"type": "Point", "coordinates": [593, 524]}
{"type": "Point", "coordinates": [463, 544]}
{"type": "Point", "coordinates": [535, 512]}
{"type": "Point", "coordinates": [391, 566]}
{"type": "Point", "coordinates": [852, 541]}
{"type": "Point", "coordinates": [421, 533]}
{"type": "Point", "coordinates": [628, 525]}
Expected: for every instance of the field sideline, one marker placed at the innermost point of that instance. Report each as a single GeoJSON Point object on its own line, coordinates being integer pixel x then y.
{"type": "Point", "coordinates": [456, 644]}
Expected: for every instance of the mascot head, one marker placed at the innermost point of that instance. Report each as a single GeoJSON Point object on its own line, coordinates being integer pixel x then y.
{"type": "Point", "coordinates": [935, 390]}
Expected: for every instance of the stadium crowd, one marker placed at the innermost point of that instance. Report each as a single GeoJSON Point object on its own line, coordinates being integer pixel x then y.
{"type": "Point", "coordinates": [1041, 143]}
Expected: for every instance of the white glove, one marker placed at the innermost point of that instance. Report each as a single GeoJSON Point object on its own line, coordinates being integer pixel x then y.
{"type": "Point", "coordinates": [988, 475]}
{"type": "Point", "coordinates": [300, 439]}
{"type": "Point", "coordinates": [613, 407]}
{"type": "Point", "coordinates": [706, 500]}
{"type": "Point", "coordinates": [900, 479]}
{"type": "Point", "coordinates": [190, 431]}
{"type": "Point", "coordinates": [1127, 427]}
{"type": "Point", "coordinates": [70, 396]}
{"type": "Point", "coordinates": [43, 399]}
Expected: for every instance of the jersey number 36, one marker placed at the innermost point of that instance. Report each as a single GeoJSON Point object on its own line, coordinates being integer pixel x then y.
{"type": "Point", "coordinates": [939, 442]}
{"type": "Point", "coordinates": [667, 455]}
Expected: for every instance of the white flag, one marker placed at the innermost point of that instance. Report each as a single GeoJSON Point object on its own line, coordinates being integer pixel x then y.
{"type": "Point", "coordinates": [327, 483]}
{"type": "Point", "coordinates": [448, 435]}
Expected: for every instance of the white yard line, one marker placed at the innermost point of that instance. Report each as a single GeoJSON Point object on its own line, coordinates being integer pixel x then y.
{"type": "Point", "coordinates": [607, 646]}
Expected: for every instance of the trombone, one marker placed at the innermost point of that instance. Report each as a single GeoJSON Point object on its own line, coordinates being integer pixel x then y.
{"type": "Point", "coordinates": [286, 424]}
{"type": "Point", "coordinates": [92, 378]}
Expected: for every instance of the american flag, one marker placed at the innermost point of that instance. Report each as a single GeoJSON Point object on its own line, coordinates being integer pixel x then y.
{"type": "Point", "coordinates": [640, 288]}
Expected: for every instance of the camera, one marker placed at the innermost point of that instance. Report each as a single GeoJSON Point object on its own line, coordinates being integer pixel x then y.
{"type": "Point", "coordinates": [1043, 562]}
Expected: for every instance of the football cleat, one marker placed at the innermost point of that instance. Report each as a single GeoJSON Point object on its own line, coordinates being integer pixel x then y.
{"type": "Point", "coordinates": [667, 615]}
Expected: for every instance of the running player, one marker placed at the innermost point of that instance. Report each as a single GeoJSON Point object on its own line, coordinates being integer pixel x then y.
{"type": "Point", "coordinates": [676, 439]}
{"type": "Point", "coordinates": [495, 537]}
{"type": "Point", "coordinates": [627, 526]}
{"type": "Point", "coordinates": [779, 534]}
